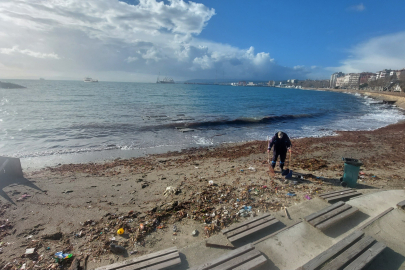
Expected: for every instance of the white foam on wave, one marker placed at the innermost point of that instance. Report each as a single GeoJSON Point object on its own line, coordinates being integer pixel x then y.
{"type": "Point", "coordinates": [126, 147]}
{"type": "Point", "coordinates": [4, 101]}
{"type": "Point", "coordinates": [58, 152]}
{"type": "Point", "coordinates": [378, 117]}
{"type": "Point", "coordinates": [203, 140]}
{"type": "Point", "coordinates": [310, 132]}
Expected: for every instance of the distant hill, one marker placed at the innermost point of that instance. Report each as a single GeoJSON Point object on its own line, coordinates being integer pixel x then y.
{"type": "Point", "coordinates": [6, 85]}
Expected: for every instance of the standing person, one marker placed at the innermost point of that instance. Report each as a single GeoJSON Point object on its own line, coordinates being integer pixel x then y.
{"type": "Point", "coordinates": [281, 144]}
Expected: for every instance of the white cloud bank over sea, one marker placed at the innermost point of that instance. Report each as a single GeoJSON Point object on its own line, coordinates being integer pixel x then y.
{"type": "Point", "coordinates": [382, 52]}
{"type": "Point", "coordinates": [113, 40]}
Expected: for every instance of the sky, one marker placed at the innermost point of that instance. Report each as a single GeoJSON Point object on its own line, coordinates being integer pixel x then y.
{"type": "Point", "coordinates": [136, 40]}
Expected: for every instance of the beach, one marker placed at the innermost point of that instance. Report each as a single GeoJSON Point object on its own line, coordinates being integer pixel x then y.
{"type": "Point", "coordinates": [159, 200]}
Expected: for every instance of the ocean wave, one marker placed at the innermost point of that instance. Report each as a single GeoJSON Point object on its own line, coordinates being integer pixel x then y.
{"type": "Point", "coordinates": [203, 141]}
{"type": "Point", "coordinates": [58, 152]}
{"type": "Point", "coordinates": [233, 122]}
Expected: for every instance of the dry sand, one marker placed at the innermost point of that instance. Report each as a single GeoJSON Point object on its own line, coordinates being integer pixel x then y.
{"type": "Point", "coordinates": [78, 208]}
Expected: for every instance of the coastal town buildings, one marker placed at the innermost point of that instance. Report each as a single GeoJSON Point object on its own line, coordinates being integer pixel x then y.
{"type": "Point", "coordinates": [334, 77]}
{"type": "Point", "coordinates": [353, 82]}
{"type": "Point", "coordinates": [372, 78]}
{"type": "Point", "coordinates": [340, 82]}
{"type": "Point", "coordinates": [345, 81]}
{"type": "Point", "coordinates": [399, 72]}
{"type": "Point", "coordinates": [384, 73]}
{"type": "Point", "coordinates": [384, 80]}
{"type": "Point", "coordinates": [365, 77]}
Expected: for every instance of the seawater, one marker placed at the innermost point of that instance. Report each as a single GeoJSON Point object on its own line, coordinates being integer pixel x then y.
{"type": "Point", "coordinates": [53, 122]}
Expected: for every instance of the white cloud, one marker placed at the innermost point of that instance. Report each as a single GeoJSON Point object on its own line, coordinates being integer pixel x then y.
{"type": "Point", "coordinates": [360, 7]}
{"type": "Point", "coordinates": [15, 49]}
{"type": "Point", "coordinates": [152, 54]}
{"type": "Point", "coordinates": [378, 53]}
{"type": "Point", "coordinates": [313, 72]}
{"type": "Point", "coordinates": [117, 40]}
{"type": "Point", "coordinates": [204, 62]}
{"type": "Point", "coordinates": [131, 59]}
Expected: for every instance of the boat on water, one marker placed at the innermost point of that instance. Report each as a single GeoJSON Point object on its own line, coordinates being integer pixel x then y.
{"type": "Point", "coordinates": [165, 80]}
{"type": "Point", "coordinates": [88, 79]}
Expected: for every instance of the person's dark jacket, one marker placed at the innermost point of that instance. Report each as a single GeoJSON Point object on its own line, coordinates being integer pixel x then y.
{"type": "Point", "coordinates": [280, 145]}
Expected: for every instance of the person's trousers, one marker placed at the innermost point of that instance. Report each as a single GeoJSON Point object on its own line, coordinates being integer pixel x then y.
{"type": "Point", "coordinates": [282, 155]}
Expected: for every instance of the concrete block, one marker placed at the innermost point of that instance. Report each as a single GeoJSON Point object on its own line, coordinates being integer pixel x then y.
{"type": "Point", "coordinates": [10, 167]}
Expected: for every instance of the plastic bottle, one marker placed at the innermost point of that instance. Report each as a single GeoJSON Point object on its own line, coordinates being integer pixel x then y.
{"type": "Point", "coordinates": [60, 256]}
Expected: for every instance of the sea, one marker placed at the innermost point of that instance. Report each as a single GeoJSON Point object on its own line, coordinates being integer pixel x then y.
{"type": "Point", "coordinates": [58, 122]}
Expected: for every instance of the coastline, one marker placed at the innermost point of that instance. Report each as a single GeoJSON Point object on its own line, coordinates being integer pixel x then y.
{"type": "Point", "coordinates": [398, 98]}
{"type": "Point", "coordinates": [90, 198]}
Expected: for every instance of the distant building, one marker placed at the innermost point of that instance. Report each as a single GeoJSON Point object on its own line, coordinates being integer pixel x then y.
{"type": "Point", "coordinates": [271, 83]}
{"type": "Point", "coordinates": [292, 81]}
{"type": "Point", "coordinates": [346, 80]}
{"type": "Point", "coordinates": [242, 83]}
{"type": "Point", "coordinates": [399, 72]}
{"type": "Point", "coordinates": [354, 79]}
{"type": "Point", "coordinates": [334, 77]}
{"type": "Point", "coordinates": [350, 81]}
{"type": "Point", "coordinates": [340, 82]}
{"type": "Point", "coordinates": [384, 73]}
{"type": "Point", "coordinates": [251, 84]}
{"type": "Point", "coordinates": [372, 78]}
{"type": "Point", "coordinates": [365, 77]}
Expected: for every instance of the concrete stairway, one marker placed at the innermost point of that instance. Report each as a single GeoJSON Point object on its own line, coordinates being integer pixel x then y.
{"type": "Point", "coordinates": [293, 247]}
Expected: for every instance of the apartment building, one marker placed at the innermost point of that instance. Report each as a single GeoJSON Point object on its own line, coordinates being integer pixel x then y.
{"type": "Point", "coordinates": [372, 78]}
{"type": "Point", "coordinates": [350, 81]}
{"type": "Point", "coordinates": [340, 82]}
{"type": "Point", "coordinates": [384, 73]}
{"type": "Point", "coordinates": [399, 72]}
{"type": "Point", "coordinates": [365, 77]}
{"type": "Point", "coordinates": [334, 77]}
{"type": "Point", "coordinates": [354, 79]}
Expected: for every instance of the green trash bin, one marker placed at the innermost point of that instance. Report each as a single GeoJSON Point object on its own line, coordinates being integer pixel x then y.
{"type": "Point", "coordinates": [351, 172]}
